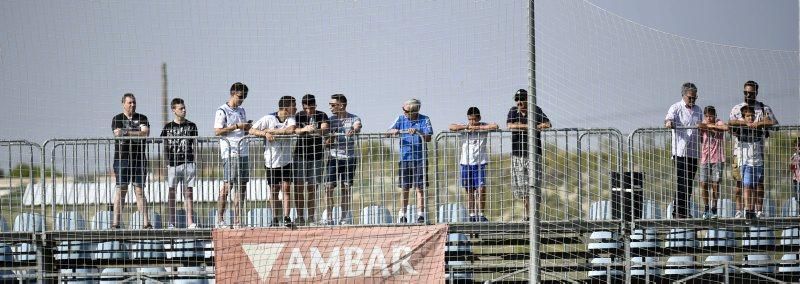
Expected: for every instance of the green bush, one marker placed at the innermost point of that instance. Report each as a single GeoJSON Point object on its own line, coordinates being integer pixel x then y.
{"type": "Point", "coordinates": [25, 171]}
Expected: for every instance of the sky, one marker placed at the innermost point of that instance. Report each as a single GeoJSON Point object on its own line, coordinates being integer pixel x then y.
{"type": "Point", "coordinates": [64, 65]}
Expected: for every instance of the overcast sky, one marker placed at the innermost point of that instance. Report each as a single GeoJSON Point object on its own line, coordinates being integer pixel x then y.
{"type": "Point", "coordinates": [603, 63]}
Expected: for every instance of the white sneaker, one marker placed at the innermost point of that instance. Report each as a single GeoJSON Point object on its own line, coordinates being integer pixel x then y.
{"type": "Point", "coordinates": [237, 226]}
{"type": "Point", "coordinates": [171, 226]}
{"type": "Point", "coordinates": [759, 214]}
{"type": "Point", "coordinates": [192, 226]}
{"type": "Point", "coordinates": [222, 225]}
{"type": "Point", "coordinates": [739, 215]}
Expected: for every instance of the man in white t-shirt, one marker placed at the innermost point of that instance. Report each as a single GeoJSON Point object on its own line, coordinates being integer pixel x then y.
{"type": "Point", "coordinates": [473, 161]}
{"type": "Point", "coordinates": [278, 152]}
{"type": "Point", "coordinates": [231, 124]}
{"type": "Point", "coordinates": [682, 117]}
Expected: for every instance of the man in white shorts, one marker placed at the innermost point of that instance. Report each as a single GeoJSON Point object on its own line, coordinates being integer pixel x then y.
{"type": "Point", "coordinates": [180, 158]}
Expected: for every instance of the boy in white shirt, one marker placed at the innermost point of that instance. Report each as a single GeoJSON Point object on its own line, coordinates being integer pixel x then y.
{"type": "Point", "coordinates": [473, 162]}
{"type": "Point", "coordinates": [278, 152]}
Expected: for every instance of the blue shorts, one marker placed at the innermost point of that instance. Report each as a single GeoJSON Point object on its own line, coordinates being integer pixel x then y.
{"type": "Point", "coordinates": [473, 176]}
{"type": "Point", "coordinates": [130, 171]}
{"type": "Point", "coordinates": [752, 176]}
{"type": "Point", "coordinates": [341, 171]}
{"type": "Point", "coordinates": [241, 165]}
{"type": "Point", "coordinates": [412, 174]}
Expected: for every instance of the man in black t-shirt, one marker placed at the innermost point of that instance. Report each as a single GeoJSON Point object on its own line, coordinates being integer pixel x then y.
{"type": "Point", "coordinates": [130, 161]}
{"type": "Point", "coordinates": [180, 156]}
{"type": "Point", "coordinates": [308, 155]}
{"type": "Point", "coordinates": [517, 122]}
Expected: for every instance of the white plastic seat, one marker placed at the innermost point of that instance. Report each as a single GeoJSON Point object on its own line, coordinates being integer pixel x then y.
{"type": "Point", "coordinates": [146, 249]}
{"type": "Point", "coordinates": [110, 249]}
{"type": "Point", "coordinates": [375, 214]}
{"type": "Point", "coordinates": [71, 221]}
{"type": "Point", "coordinates": [259, 217]}
{"type": "Point", "coordinates": [337, 216]}
{"type": "Point", "coordinates": [452, 213]}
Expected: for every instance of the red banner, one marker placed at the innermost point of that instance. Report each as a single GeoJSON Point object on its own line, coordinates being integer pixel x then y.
{"type": "Point", "coordinates": [331, 254]}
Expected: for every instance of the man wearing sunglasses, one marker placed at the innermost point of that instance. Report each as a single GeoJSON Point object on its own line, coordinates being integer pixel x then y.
{"type": "Point", "coordinates": [682, 117]}
{"type": "Point", "coordinates": [764, 118]}
{"type": "Point", "coordinates": [231, 125]}
{"type": "Point", "coordinates": [415, 129]}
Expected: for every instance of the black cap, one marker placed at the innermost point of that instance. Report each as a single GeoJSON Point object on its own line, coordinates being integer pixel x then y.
{"type": "Point", "coordinates": [309, 99]}
{"type": "Point", "coordinates": [521, 95]}
{"type": "Point", "coordinates": [473, 111]}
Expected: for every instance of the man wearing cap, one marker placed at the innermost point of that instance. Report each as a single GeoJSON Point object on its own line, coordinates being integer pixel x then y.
{"type": "Point", "coordinates": [473, 161]}
{"type": "Point", "coordinates": [344, 157]}
{"type": "Point", "coordinates": [764, 118]}
{"type": "Point", "coordinates": [414, 129]}
{"type": "Point", "coordinates": [308, 154]}
{"type": "Point", "coordinates": [231, 124]}
{"type": "Point", "coordinates": [683, 117]}
{"type": "Point", "coordinates": [517, 122]}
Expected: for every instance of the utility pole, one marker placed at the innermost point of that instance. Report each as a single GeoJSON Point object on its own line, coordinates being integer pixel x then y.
{"type": "Point", "coordinates": [164, 101]}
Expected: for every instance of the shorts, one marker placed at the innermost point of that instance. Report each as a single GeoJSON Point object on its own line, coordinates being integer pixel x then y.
{"type": "Point", "coordinates": [519, 176]}
{"type": "Point", "coordinates": [308, 171]}
{"type": "Point", "coordinates": [239, 165]}
{"type": "Point", "coordinates": [341, 170]}
{"type": "Point", "coordinates": [278, 175]}
{"type": "Point", "coordinates": [183, 173]}
{"type": "Point", "coordinates": [412, 174]}
{"type": "Point", "coordinates": [473, 176]}
{"type": "Point", "coordinates": [736, 172]}
{"type": "Point", "coordinates": [796, 189]}
{"type": "Point", "coordinates": [711, 172]}
{"type": "Point", "coordinates": [130, 171]}
{"type": "Point", "coordinates": [752, 176]}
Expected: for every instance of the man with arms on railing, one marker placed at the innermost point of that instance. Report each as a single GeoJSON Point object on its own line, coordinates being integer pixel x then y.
{"type": "Point", "coordinates": [130, 161]}
{"type": "Point", "coordinates": [474, 158]}
{"type": "Point", "coordinates": [683, 116]}
{"type": "Point", "coordinates": [278, 153]}
{"type": "Point", "coordinates": [308, 156]}
{"type": "Point", "coordinates": [344, 158]}
{"type": "Point", "coordinates": [764, 118]}
{"type": "Point", "coordinates": [181, 168]}
{"type": "Point", "coordinates": [413, 160]}
{"type": "Point", "coordinates": [231, 124]}
{"type": "Point", "coordinates": [517, 122]}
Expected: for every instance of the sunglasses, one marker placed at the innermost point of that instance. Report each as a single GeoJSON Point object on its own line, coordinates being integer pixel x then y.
{"type": "Point", "coordinates": [749, 94]}
{"type": "Point", "coordinates": [407, 111]}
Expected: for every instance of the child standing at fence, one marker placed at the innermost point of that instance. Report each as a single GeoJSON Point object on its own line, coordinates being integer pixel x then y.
{"type": "Point", "coordinates": [181, 169]}
{"type": "Point", "coordinates": [712, 159]}
{"type": "Point", "coordinates": [750, 151]}
{"type": "Point", "coordinates": [473, 162]}
{"type": "Point", "coordinates": [794, 167]}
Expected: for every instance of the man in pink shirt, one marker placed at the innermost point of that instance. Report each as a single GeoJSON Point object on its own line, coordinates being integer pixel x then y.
{"type": "Point", "coordinates": [712, 159]}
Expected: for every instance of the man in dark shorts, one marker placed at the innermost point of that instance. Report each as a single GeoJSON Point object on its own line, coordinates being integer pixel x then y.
{"type": "Point", "coordinates": [344, 156]}
{"type": "Point", "coordinates": [308, 156]}
{"type": "Point", "coordinates": [130, 161]}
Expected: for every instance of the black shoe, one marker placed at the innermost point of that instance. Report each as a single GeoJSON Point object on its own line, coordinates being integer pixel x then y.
{"type": "Point", "coordinates": [117, 227]}
{"type": "Point", "coordinates": [287, 221]}
{"type": "Point", "coordinates": [473, 219]}
{"type": "Point", "coordinates": [421, 220]}
{"type": "Point", "coordinates": [403, 220]}
{"type": "Point", "coordinates": [300, 221]}
{"type": "Point", "coordinates": [482, 218]}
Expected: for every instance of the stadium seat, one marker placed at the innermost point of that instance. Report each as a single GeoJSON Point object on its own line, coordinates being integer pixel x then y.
{"type": "Point", "coordinates": [790, 236]}
{"type": "Point", "coordinates": [146, 249]}
{"type": "Point", "coordinates": [149, 272]}
{"type": "Point", "coordinates": [452, 213]}
{"type": "Point", "coordinates": [681, 238]}
{"type": "Point", "coordinates": [192, 277]}
{"type": "Point", "coordinates": [78, 279]}
{"type": "Point", "coordinates": [6, 254]}
{"type": "Point", "coordinates": [27, 222]}
{"type": "Point", "coordinates": [644, 239]}
{"type": "Point", "coordinates": [760, 237]}
{"type": "Point", "coordinates": [337, 216]}
{"type": "Point", "coordinates": [112, 275]}
{"type": "Point", "coordinates": [457, 253]}
{"type": "Point", "coordinates": [259, 217]}
{"type": "Point", "coordinates": [187, 248]}
{"type": "Point", "coordinates": [109, 249]}
{"type": "Point", "coordinates": [601, 241]}
{"type": "Point", "coordinates": [71, 221]}
{"type": "Point", "coordinates": [374, 215]}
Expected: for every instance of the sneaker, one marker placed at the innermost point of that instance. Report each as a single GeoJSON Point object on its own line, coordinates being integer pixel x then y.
{"type": "Point", "coordinates": [300, 221]}
{"type": "Point", "coordinates": [344, 222]}
{"type": "Point", "coordinates": [192, 226]}
{"type": "Point", "coordinates": [421, 220]}
{"type": "Point", "coordinates": [526, 219]}
{"type": "Point", "coordinates": [706, 215]}
{"type": "Point", "coordinates": [482, 218]}
{"type": "Point", "coordinates": [759, 214]}
{"type": "Point", "coordinates": [171, 226]}
{"type": "Point", "coordinates": [222, 225]}
{"type": "Point", "coordinates": [473, 219]}
{"type": "Point", "coordinates": [712, 216]}
{"type": "Point", "coordinates": [287, 221]}
{"type": "Point", "coordinates": [117, 227]}
{"type": "Point", "coordinates": [403, 220]}
{"type": "Point", "coordinates": [148, 227]}
{"type": "Point", "coordinates": [739, 215]}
